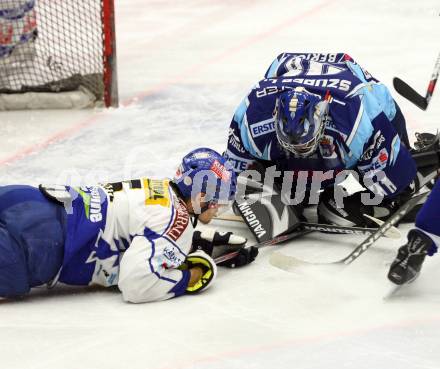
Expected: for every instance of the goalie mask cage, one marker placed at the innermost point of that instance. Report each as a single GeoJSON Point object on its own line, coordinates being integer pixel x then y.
{"type": "Point", "coordinates": [57, 54]}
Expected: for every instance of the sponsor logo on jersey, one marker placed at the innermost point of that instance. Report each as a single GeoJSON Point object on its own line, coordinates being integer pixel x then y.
{"type": "Point", "coordinates": [95, 205]}
{"type": "Point", "coordinates": [92, 200]}
{"type": "Point", "coordinates": [181, 220]}
{"type": "Point", "coordinates": [382, 158]}
{"type": "Point", "coordinates": [262, 128]}
{"type": "Point", "coordinates": [234, 141]}
{"type": "Point", "coordinates": [220, 171]}
{"type": "Point", "coordinates": [267, 91]}
{"type": "Point", "coordinates": [336, 83]}
{"type": "Point", "coordinates": [240, 164]}
{"type": "Point", "coordinates": [156, 192]}
{"type": "Point", "coordinates": [251, 219]}
{"type": "Point", "coordinates": [378, 140]}
{"type": "Point", "coordinates": [170, 254]}
{"type": "Point", "coordinates": [378, 163]}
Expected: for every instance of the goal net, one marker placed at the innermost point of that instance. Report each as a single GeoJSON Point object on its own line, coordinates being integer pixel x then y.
{"type": "Point", "coordinates": [57, 54]}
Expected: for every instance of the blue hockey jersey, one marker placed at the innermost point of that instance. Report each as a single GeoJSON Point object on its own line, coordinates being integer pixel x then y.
{"type": "Point", "coordinates": [360, 130]}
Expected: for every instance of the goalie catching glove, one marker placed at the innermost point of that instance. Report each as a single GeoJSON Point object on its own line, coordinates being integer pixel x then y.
{"type": "Point", "coordinates": [219, 243]}
{"type": "Point", "coordinates": [204, 262]}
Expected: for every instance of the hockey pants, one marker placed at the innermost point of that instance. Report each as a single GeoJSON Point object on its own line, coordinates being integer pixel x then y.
{"type": "Point", "coordinates": [32, 233]}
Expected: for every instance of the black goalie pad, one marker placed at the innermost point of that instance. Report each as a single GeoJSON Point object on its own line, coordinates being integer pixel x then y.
{"type": "Point", "coordinates": [263, 210]}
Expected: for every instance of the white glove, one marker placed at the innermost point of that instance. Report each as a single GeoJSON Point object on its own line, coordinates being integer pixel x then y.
{"type": "Point", "coordinates": [217, 243]}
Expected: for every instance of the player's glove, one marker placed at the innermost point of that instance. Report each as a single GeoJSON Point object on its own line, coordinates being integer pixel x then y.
{"type": "Point", "coordinates": [245, 256]}
{"type": "Point", "coordinates": [200, 259]}
{"type": "Point", "coordinates": [216, 243]}
{"type": "Point", "coordinates": [219, 243]}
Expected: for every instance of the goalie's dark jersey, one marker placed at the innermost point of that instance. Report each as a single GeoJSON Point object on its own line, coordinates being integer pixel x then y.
{"type": "Point", "coordinates": [360, 131]}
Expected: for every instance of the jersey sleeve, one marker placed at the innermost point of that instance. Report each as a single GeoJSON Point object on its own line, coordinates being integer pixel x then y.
{"type": "Point", "coordinates": [149, 267]}
{"type": "Point", "coordinates": [386, 165]}
{"type": "Point", "coordinates": [144, 275]}
{"type": "Point", "coordinates": [236, 153]}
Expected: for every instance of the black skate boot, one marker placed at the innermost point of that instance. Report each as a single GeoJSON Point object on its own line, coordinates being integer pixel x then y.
{"type": "Point", "coordinates": [406, 267]}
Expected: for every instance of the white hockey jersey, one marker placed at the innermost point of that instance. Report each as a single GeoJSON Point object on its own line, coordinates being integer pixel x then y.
{"type": "Point", "coordinates": [134, 234]}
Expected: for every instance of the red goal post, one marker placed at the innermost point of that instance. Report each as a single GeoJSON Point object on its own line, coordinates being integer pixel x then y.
{"type": "Point", "coordinates": [57, 54]}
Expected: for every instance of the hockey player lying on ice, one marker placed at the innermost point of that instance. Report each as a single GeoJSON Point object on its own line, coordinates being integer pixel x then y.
{"type": "Point", "coordinates": [135, 234]}
{"type": "Point", "coordinates": [320, 114]}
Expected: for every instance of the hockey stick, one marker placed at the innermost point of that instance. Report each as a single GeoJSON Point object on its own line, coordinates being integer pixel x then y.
{"type": "Point", "coordinates": [392, 232]}
{"type": "Point", "coordinates": [287, 261]}
{"type": "Point", "coordinates": [272, 242]}
{"type": "Point", "coordinates": [409, 93]}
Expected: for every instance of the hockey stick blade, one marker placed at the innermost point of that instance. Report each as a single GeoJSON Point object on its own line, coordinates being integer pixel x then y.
{"type": "Point", "coordinates": [274, 241]}
{"type": "Point", "coordinates": [365, 245]}
{"type": "Point", "coordinates": [409, 93]}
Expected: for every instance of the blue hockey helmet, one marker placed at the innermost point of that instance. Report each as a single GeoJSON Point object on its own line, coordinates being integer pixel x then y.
{"type": "Point", "coordinates": [205, 170]}
{"type": "Point", "coordinates": [299, 129]}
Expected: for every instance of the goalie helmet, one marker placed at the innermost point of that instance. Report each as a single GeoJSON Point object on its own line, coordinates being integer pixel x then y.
{"type": "Point", "coordinates": [299, 130]}
{"type": "Point", "coordinates": [205, 170]}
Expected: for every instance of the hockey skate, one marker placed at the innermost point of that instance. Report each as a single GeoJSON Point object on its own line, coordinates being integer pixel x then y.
{"type": "Point", "coordinates": [409, 260]}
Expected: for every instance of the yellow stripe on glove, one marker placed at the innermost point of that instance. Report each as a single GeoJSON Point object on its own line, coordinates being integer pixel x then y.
{"type": "Point", "coordinates": [203, 261]}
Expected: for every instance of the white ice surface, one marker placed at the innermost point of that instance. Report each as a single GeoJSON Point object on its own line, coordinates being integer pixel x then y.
{"type": "Point", "coordinates": [183, 68]}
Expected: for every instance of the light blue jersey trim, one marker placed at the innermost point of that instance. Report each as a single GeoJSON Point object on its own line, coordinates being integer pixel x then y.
{"type": "Point", "coordinates": [357, 71]}
{"type": "Point", "coordinates": [245, 134]}
{"type": "Point", "coordinates": [248, 141]}
{"type": "Point", "coordinates": [241, 111]}
{"type": "Point", "coordinates": [380, 92]}
{"type": "Point", "coordinates": [360, 135]}
{"type": "Point", "coordinates": [372, 106]}
{"type": "Point", "coordinates": [266, 153]}
{"type": "Point", "coordinates": [385, 100]}
{"type": "Point", "coordinates": [395, 149]}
